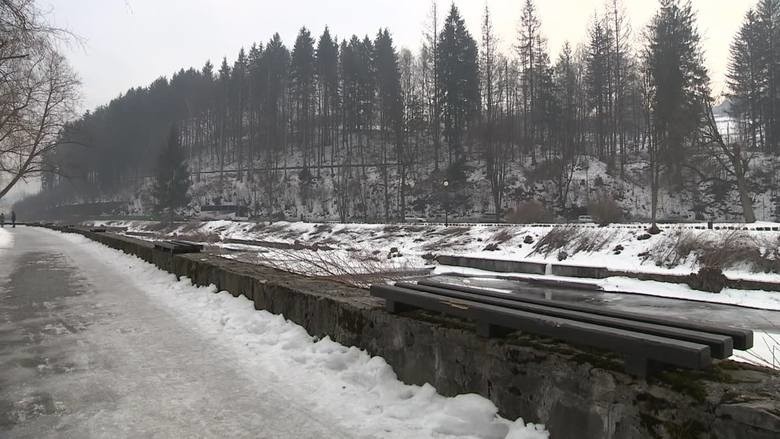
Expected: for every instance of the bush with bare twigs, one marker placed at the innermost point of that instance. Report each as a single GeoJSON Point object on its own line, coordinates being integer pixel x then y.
{"type": "Point", "coordinates": [604, 209]}
{"type": "Point", "coordinates": [574, 240]}
{"type": "Point", "coordinates": [351, 267]}
{"type": "Point", "coordinates": [735, 249]}
{"type": "Point", "coordinates": [529, 212]}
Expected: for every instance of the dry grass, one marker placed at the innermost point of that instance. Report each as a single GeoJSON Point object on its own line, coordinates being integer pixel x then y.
{"type": "Point", "coordinates": [501, 236]}
{"type": "Point", "coordinates": [574, 240]}
{"type": "Point", "coordinates": [449, 238]}
{"type": "Point", "coordinates": [735, 249]}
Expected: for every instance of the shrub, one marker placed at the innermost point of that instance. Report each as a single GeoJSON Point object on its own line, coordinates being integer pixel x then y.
{"type": "Point", "coordinates": [604, 209]}
{"type": "Point", "coordinates": [558, 238]}
{"type": "Point", "coordinates": [575, 240]}
{"type": "Point", "coordinates": [529, 212]}
{"type": "Point", "coordinates": [709, 279]}
{"type": "Point", "coordinates": [729, 250]}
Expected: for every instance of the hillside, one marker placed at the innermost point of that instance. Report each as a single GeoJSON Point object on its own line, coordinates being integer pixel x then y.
{"type": "Point", "coordinates": [327, 194]}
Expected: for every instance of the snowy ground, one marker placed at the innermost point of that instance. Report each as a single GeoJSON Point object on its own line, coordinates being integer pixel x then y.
{"type": "Point", "coordinates": [364, 247]}
{"type": "Point", "coordinates": [369, 247]}
{"type": "Point", "coordinates": [6, 240]}
{"type": "Point", "coordinates": [360, 394]}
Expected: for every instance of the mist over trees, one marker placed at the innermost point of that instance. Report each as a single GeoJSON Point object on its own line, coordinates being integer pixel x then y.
{"type": "Point", "coordinates": [354, 128]}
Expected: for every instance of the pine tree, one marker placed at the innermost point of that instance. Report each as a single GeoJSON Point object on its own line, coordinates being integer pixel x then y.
{"type": "Point", "coordinates": [680, 82]}
{"type": "Point", "coordinates": [389, 95]}
{"type": "Point", "coordinates": [567, 130]}
{"type": "Point", "coordinates": [173, 179]}
{"type": "Point", "coordinates": [747, 80]}
{"type": "Point", "coordinates": [458, 77]}
{"type": "Point", "coordinates": [237, 107]}
{"type": "Point", "coordinates": [302, 69]}
{"type": "Point", "coordinates": [597, 82]}
{"type": "Point", "coordinates": [430, 58]}
{"type": "Point", "coordinates": [327, 66]}
{"type": "Point", "coordinates": [528, 39]}
{"type": "Point", "coordinates": [223, 108]}
{"type": "Point", "coordinates": [768, 13]}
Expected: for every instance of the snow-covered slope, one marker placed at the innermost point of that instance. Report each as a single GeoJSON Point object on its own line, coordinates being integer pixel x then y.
{"type": "Point", "coordinates": [619, 247]}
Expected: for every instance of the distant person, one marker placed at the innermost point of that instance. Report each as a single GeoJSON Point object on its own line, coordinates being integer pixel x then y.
{"type": "Point", "coordinates": [13, 219]}
{"type": "Point", "coordinates": [2, 220]}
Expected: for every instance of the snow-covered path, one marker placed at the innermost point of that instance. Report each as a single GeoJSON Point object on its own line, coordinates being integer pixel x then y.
{"type": "Point", "coordinates": [94, 343]}
{"type": "Point", "coordinates": [85, 354]}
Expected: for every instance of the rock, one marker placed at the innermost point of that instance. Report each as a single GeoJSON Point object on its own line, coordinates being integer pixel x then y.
{"type": "Point", "coordinates": [491, 247]}
{"type": "Point", "coordinates": [644, 237]}
{"type": "Point", "coordinates": [528, 239]}
{"type": "Point", "coordinates": [654, 230]}
{"type": "Point", "coordinates": [562, 255]}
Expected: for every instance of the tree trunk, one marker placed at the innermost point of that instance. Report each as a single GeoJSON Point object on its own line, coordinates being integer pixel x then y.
{"type": "Point", "coordinates": [744, 198]}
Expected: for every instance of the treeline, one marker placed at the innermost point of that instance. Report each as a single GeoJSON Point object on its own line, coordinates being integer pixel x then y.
{"type": "Point", "coordinates": [754, 76]}
{"type": "Point", "coordinates": [354, 108]}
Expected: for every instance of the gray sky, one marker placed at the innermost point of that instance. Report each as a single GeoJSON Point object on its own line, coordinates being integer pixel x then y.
{"type": "Point", "coordinates": [131, 42]}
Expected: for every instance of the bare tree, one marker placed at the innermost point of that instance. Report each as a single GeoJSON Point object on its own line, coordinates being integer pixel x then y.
{"type": "Point", "coordinates": [38, 91]}
{"type": "Point", "coordinates": [732, 157]}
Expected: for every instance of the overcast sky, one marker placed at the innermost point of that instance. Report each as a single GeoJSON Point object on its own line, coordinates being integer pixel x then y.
{"type": "Point", "coordinates": [131, 42]}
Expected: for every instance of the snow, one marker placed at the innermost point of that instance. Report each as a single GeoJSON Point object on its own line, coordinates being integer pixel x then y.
{"type": "Point", "coordinates": [417, 240]}
{"type": "Point", "coordinates": [361, 392]}
{"type": "Point", "coordinates": [765, 352]}
{"type": "Point", "coordinates": [6, 240]}
{"type": "Point", "coordinates": [769, 300]}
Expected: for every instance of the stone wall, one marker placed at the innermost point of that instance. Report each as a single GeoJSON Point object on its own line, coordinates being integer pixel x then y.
{"type": "Point", "coordinates": [576, 393]}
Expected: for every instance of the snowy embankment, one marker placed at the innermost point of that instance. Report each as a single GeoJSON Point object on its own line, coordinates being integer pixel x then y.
{"type": "Point", "coordinates": [617, 247]}
{"type": "Point", "coordinates": [354, 249]}
{"type": "Point", "coordinates": [359, 391]}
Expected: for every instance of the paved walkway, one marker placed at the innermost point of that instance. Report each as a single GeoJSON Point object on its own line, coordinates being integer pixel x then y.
{"type": "Point", "coordinates": [84, 354]}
